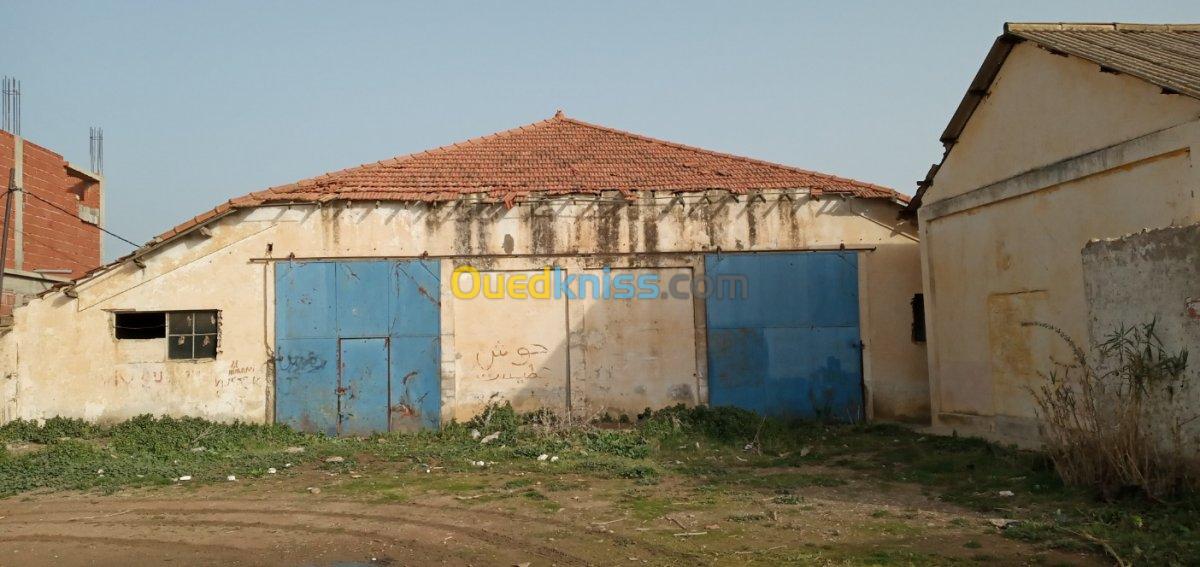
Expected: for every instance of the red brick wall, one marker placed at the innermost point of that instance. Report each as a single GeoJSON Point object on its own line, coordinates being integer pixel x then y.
{"type": "Point", "coordinates": [54, 239]}
{"type": "Point", "coordinates": [7, 301]}
{"type": "Point", "coordinates": [6, 164]}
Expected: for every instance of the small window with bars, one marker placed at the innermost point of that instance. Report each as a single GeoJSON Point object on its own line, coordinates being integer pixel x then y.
{"type": "Point", "coordinates": [191, 335]}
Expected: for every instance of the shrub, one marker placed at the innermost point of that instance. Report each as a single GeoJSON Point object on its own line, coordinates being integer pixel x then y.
{"type": "Point", "coordinates": [168, 435]}
{"type": "Point", "coordinates": [1112, 421]}
{"type": "Point", "coordinates": [19, 431]}
{"type": "Point", "coordinates": [726, 424]}
{"type": "Point", "coordinates": [497, 417]}
{"type": "Point", "coordinates": [50, 431]}
{"type": "Point", "coordinates": [65, 464]}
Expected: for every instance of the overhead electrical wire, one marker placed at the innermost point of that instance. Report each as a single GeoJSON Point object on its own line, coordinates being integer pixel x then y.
{"type": "Point", "coordinates": [74, 215]}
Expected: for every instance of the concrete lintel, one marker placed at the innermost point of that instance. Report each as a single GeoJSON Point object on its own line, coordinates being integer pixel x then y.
{"type": "Point", "coordinates": [82, 173]}
{"type": "Point", "coordinates": [1162, 143]}
{"type": "Point", "coordinates": [54, 278]}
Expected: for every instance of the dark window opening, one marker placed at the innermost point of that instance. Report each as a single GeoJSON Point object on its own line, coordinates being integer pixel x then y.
{"type": "Point", "coordinates": [191, 334]}
{"type": "Point", "coordinates": [918, 318]}
{"type": "Point", "coordinates": [141, 325]}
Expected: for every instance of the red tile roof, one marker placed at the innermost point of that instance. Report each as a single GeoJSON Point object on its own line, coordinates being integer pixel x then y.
{"type": "Point", "coordinates": [556, 156]}
{"type": "Point", "coordinates": [562, 156]}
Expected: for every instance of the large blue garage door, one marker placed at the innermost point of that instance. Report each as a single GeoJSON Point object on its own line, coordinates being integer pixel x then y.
{"type": "Point", "coordinates": [783, 336]}
{"type": "Point", "coordinates": [357, 346]}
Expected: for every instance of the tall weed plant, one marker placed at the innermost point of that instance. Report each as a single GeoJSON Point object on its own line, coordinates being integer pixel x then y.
{"type": "Point", "coordinates": [1117, 420]}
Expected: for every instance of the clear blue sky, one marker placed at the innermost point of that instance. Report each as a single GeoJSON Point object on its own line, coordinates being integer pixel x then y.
{"type": "Point", "coordinates": [203, 101]}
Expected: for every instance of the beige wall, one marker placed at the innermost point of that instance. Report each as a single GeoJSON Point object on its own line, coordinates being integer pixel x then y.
{"type": "Point", "coordinates": [588, 355]}
{"type": "Point", "coordinates": [654, 362]}
{"type": "Point", "coordinates": [1058, 154]}
{"type": "Point", "coordinates": [1044, 108]}
{"type": "Point", "coordinates": [66, 361]}
{"type": "Point", "coordinates": [508, 349]}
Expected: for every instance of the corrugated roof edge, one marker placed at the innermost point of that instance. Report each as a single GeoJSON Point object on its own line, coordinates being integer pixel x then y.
{"type": "Point", "coordinates": [991, 67]}
{"type": "Point", "coordinates": [1096, 26]}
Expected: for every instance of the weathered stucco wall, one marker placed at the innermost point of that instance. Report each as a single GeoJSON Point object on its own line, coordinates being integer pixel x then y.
{"type": "Point", "coordinates": [1149, 276]}
{"type": "Point", "coordinates": [508, 349]}
{"type": "Point", "coordinates": [592, 355]}
{"type": "Point", "coordinates": [1057, 155]}
{"type": "Point", "coordinates": [68, 363]}
{"type": "Point", "coordinates": [644, 371]}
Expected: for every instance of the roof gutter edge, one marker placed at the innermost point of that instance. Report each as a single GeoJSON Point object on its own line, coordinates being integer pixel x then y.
{"type": "Point", "coordinates": [976, 92]}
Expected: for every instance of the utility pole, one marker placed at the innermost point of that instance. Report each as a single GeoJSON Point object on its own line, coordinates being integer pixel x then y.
{"type": "Point", "coordinates": [10, 120]}
{"type": "Point", "coordinates": [8, 195]}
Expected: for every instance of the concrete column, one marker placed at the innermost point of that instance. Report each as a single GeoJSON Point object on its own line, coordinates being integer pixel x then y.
{"type": "Point", "coordinates": [18, 212]}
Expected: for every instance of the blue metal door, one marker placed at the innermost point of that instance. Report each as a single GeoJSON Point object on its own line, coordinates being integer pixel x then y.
{"type": "Point", "coordinates": [414, 329]}
{"type": "Point", "coordinates": [363, 391]}
{"type": "Point", "coordinates": [783, 336]}
{"type": "Point", "coordinates": [306, 349]}
{"type": "Point", "coordinates": [363, 302]}
{"type": "Point", "coordinates": [358, 345]}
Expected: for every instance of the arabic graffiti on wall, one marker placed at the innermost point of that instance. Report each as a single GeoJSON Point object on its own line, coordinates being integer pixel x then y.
{"type": "Point", "coordinates": [157, 374]}
{"type": "Point", "coordinates": [525, 362]}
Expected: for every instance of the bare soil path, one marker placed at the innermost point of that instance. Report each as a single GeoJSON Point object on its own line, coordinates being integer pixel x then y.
{"type": "Point", "coordinates": [381, 514]}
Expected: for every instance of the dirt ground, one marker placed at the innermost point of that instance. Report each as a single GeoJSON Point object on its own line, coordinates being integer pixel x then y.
{"type": "Point", "coordinates": [380, 514]}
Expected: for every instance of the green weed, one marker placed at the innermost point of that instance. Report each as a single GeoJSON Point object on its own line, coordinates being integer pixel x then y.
{"type": "Point", "coordinates": [703, 446]}
{"type": "Point", "coordinates": [646, 507]}
{"type": "Point", "coordinates": [54, 429]}
{"type": "Point", "coordinates": [630, 445]}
